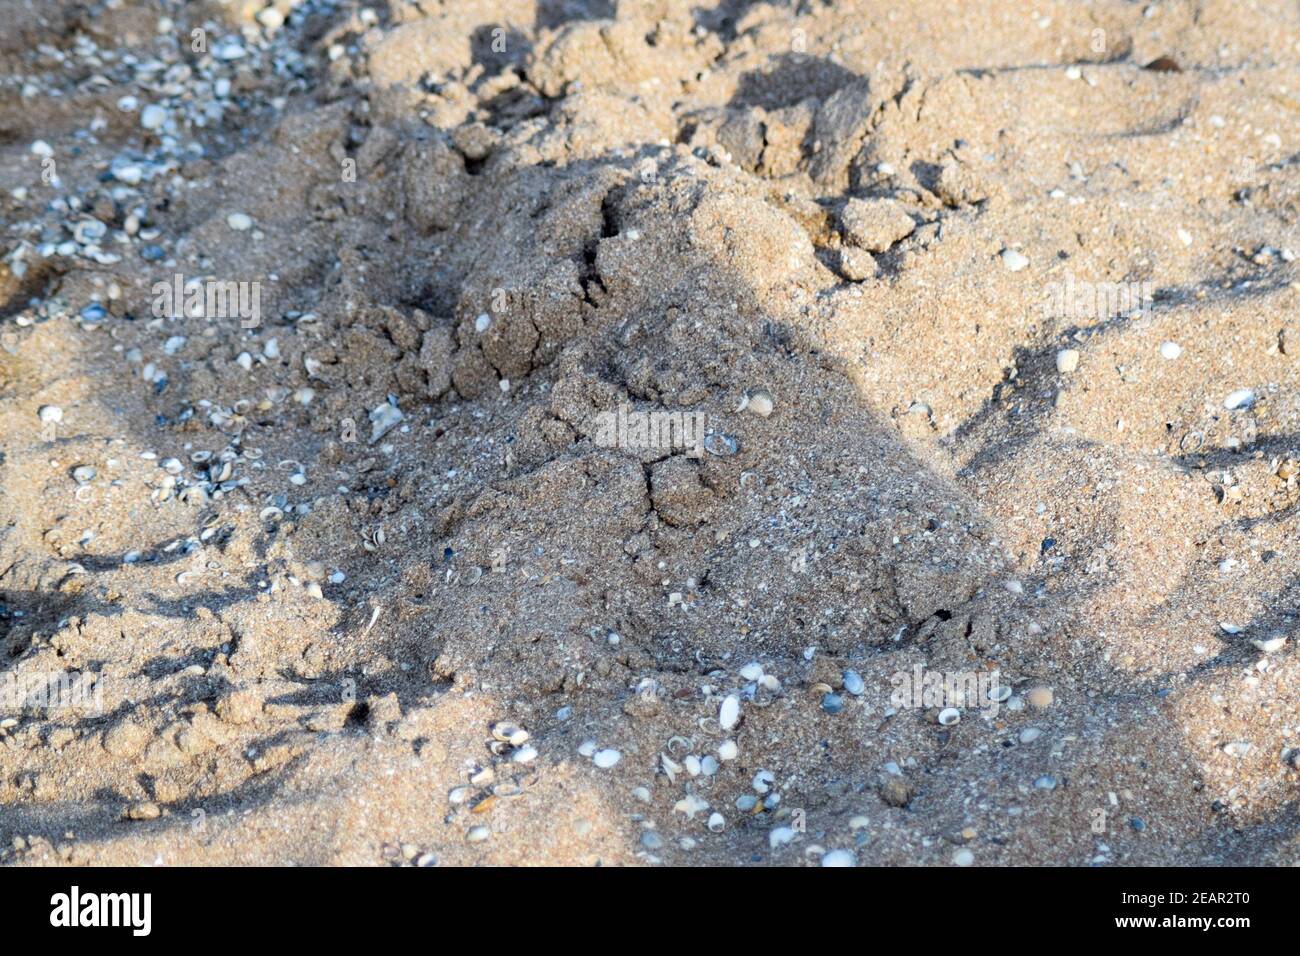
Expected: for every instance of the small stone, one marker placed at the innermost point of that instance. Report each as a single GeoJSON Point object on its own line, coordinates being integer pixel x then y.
{"type": "Point", "coordinates": [1170, 350]}
{"type": "Point", "coordinates": [477, 834]}
{"type": "Point", "coordinates": [1067, 360]}
{"type": "Point", "coordinates": [143, 811]}
{"type": "Point", "coordinates": [240, 222]}
{"type": "Point", "coordinates": [1045, 782]}
{"type": "Point", "coordinates": [1269, 645]}
{"type": "Point", "coordinates": [651, 840]}
{"type": "Point", "coordinates": [963, 857]}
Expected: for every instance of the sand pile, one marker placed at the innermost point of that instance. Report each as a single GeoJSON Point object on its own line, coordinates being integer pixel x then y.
{"type": "Point", "coordinates": [661, 431]}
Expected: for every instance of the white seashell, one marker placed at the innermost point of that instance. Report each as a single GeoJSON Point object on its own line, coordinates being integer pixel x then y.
{"type": "Point", "coordinates": [50, 414]}
{"type": "Point", "coordinates": [1268, 646]}
{"type": "Point", "coordinates": [729, 715]}
{"type": "Point", "coordinates": [728, 750]}
{"type": "Point", "coordinates": [853, 683]}
{"type": "Point", "coordinates": [1067, 360]}
{"type": "Point", "coordinates": [1241, 398]}
{"type": "Point", "coordinates": [587, 748]}
{"type": "Point", "coordinates": [525, 754]}
{"type": "Point", "coordinates": [839, 858]}
{"type": "Point", "coordinates": [510, 733]}
{"type": "Point", "coordinates": [1237, 748]}
{"type": "Point", "coordinates": [692, 764]}
{"type": "Point", "coordinates": [759, 403]}
{"type": "Point", "coordinates": [752, 671]}
{"type": "Point", "coordinates": [709, 765]}
{"type": "Point", "coordinates": [780, 836]}
{"type": "Point", "coordinates": [477, 834]}
{"type": "Point", "coordinates": [690, 805]}
{"type": "Point", "coordinates": [1029, 735]}
{"type": "Point", "coordinates": [949, 716]}
{"type": "Point", "coordinates": [604, 759]}
{"type": "Point", "coordinates": [763, 781]}
{"type": "Point", "coordinates": [1229, 628]}
{"type": "Point", "coordinates": [240, 222]}
{"type": "Point", "coordinates": [383, 418]}
{"type": "Point", "coordinates": [717, 823]}
{"type": "Point", "coordinates": [1013, 260]}
{"type": "Point", "coordinates": [1170, 350]}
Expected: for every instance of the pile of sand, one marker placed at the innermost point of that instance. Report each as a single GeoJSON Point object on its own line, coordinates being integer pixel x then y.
{"type": "Point", "coordinates": [681, 384]}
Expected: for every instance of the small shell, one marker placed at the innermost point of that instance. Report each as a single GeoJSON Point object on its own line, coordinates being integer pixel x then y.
{"type": "Point", "coordinates": [721, 444]}
{"type": "Point", "coordinates": [1269, 645]}
{"type": "Point", "coordinates": [604, 759]}
{"type": "Point", "coordinates": [1237, 748]}
{"type": "Point", "coordinates": [999, 693]}
{"type": "Point", "coordinates": [510, 733]}
{"type": "Point", "coordinates": [758, 403]}
{"type": "Point", "coordinates": [1239, 399]}
{"type": "Point", "coordinates": [729, 714]}
{"type": "Point", "coordinates": [477, 834]}
{"type": "Point", "coordinates": [717, 823]}
{"type": "Point", "coordinates": [949, 716]}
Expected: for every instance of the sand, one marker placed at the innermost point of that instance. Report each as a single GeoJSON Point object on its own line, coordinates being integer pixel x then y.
{"type": "Point", "coordinates": [971, 333]}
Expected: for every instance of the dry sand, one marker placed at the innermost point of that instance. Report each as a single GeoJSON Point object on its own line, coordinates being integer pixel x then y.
{"type": "Point", "coordinates": [999, 267]}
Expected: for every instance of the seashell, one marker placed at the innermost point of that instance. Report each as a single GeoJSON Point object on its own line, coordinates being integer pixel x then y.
{"type": "Point", "coordinates": [83, 474]}
{"type": "Point", "coordinates": [525, 754]}
{"type": "Point", "coordinates": [690, 805]}
{"type": "Point", "coordinates": [477, 834]}
{"type": "Point", "coordinates": [752, 671]}
{"type": "Point", "coordinates": [50, 414]}
{"type": "Point", "coordinates": [728, 750]}
{"type": "Point", "coordinates": [758, 403]}
{"type": "Point", "coordinates": [853, 683]}
{"type": "Point", "coordinates": [721, 444]}
{"type": "Point", "coordinates": [949, 716]}
{"type": "Point", "coordinates": [1239, 399]}
{"type": "Point", "coordinates": [717, 823]}
{"type": "Point", "coordinates": [1045, 782]}
{"type": "Point", "coordinates": [604, 759]}
{"type": "Point", "coordinates": [1237, 748]}
{"type": "Point", "coordinates": [709, 765]}
{"type": "Point", "coordinates": [839, 858]}
{"type": "Point", "coordinates": [670, 767]}
{"type": "Point", "coordinates": [999, 693]}
{"type": "Point", "coordinates": [510, 733]}
{"type": "Point", "coordinates": [780, 836]}
{"type": "Point", "coordinates": [692, 764]}
{"type": "Point", "coordinates": [271, 513]}
{"type": "Point", "coordinates": [1029, 735]}
{"type": "Point", "coordinates": [459, 795]}
{"type": "Point", "coordinates": [729, 713]}
{"type": "Point", "coordinates": [763, 781]}
{"type": "Point", "coordinates": [1269, 645]}
{"type": "Point", "coordinates": [746, 802]}
{"type": "Point", "coordinates": [587, 748]}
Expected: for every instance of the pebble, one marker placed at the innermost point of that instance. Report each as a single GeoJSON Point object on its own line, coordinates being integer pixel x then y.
{"type": "Point", "coordinates": [1170, 350]}
{"type": "Point", "coordinates": [651, 840]}
{"type": "Point", "coordinates": [1067, 360]}
{"type": "Point", "coordinates": [240, 222]}
{"type": "Point", "coordinates": [1013, 260]}
{"type": "Point", "coordinates": [83, 474]}
{"type": "Point", "coordinates": [1045, 782]}
{"type": "Point", "coordinates": [1029, 735]}
{"type": "Point", "coordinates": [604, 759]}
{"type": "Point", "coordinates": [963, 857]}
{"type": "Point", "coordinates": [477, 834]}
